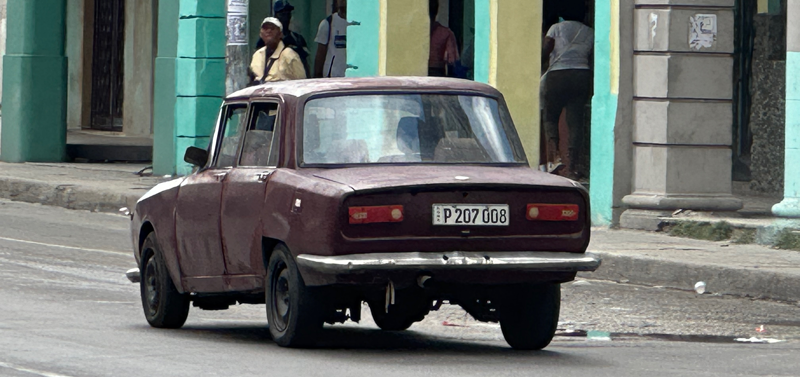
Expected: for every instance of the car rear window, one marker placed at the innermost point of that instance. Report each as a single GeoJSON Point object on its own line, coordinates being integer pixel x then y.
{"type": "Point", "coordinates": [408, 128]}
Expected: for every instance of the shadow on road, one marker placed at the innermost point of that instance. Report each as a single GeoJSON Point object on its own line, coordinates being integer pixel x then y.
{"type": "Point", "coordinates": [368, 341]}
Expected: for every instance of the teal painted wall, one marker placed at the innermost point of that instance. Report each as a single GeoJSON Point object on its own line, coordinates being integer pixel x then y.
{"type": "Point", "coordinates": [257, 11]}
{"type": "Point", "coordinates": [164, 89]}
{"type": "Point", "coordinates": [35, 75]}
{"type": "Point", "coordinates": [483, 32]}
{"type": "Point", "coordinates": [790, 206]}
{"type": "Point", "coordinates": [604, 112]}
{"type": "Point", "coordinates": [774, 6]}
{"type": "Point", "coordinates": [363, 41]}
{"type": "Point", "coordinates": [318, 10]}
{"type": "Point", "coordinates": [199, 74]}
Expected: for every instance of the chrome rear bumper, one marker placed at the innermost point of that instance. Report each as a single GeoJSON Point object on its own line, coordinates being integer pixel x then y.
{"type": "Point", "coordinates": [451, 261]}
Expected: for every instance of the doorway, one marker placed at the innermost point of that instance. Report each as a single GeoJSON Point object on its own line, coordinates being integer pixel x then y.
{"type": "Point", "coordinates": [107, 65]}
{"type": "Point", "coordinates": [552, 10]}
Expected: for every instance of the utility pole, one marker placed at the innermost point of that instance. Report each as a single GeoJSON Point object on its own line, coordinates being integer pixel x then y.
{"type": "Point", "coordinates": [237, 57]}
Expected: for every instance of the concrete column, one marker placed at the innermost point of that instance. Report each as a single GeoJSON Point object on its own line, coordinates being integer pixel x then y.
{"type": "Point", "coordinates": [683, 67]}
{"type": "Point", "coordinates": [79, 17]}
{"type": "Point", "coordinates": [238, 52]}
{"type": "Point", "coordinates": [199, 74]}
{"type": "Point", "coordinates": [388, 38]}
{"type": "Point", "coordinates": [164, 93]}
{"type": "Point", "coordinates": [35, 82]}
{"type": "Point", "coordinates": [790, 206]}
{"type": "Point", "coordinates": [138, 71]}
{"type": "Point", "coordinates": [510, 60]}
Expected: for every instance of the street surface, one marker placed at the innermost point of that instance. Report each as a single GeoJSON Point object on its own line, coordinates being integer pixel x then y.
{"type": "Point", "coordinates": [68, 310]}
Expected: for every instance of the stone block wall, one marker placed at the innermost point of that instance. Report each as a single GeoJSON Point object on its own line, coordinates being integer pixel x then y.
{"type": "Point", "coordinates": [199, 74]}
{"type": "Point", "coordinates": [768, 110]}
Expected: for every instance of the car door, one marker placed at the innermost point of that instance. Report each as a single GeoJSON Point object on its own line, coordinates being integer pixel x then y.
{"type": "Point", "coordinates": [243, 196]}
{"type": "Point", "coordinates": [198, 206]}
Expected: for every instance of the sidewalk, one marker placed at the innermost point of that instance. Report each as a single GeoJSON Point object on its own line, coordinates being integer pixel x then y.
{"type": "Point", "coordinates": [638, 257]}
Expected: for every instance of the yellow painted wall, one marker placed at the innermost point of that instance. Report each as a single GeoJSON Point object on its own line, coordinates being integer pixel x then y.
{"type": "Point", "coordinates": [763, 6]}
{"type": "Point", "coordinates": [405, 38]}
{"type": "Point", "coordinates": [515, 65]}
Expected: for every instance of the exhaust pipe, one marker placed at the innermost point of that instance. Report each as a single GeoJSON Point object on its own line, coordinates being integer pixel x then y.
{"type": "Point", "coordinates": [421, 280]}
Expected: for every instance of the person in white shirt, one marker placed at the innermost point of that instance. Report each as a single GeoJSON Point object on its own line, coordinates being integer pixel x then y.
{"type": "Point", "coordinates": [331, 58]}
{"type": "Point", "coordinates": [567, 84]}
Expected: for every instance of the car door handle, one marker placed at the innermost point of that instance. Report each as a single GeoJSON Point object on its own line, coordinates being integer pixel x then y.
{"type": "Point", "coordinates": [262, 177]}
{"type": "Point", "coordinates": [220, 176]}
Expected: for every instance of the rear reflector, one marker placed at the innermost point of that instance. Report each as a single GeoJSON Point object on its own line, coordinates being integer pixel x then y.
{"type": "Point", "coordinates": [379, 214]}
{"type": "Point", "coordinates": [552, 212]}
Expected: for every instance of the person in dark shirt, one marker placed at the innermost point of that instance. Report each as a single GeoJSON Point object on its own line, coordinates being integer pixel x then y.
{"type": "Point", "coordinates": [283, 12]}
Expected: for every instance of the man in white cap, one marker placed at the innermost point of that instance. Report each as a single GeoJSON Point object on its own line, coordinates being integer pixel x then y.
{"type": "Point", "coordinates": [275, 62]}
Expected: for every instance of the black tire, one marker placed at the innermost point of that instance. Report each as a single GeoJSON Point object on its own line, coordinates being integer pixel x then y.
{"type": "Point", "coordinates": [294, 314]}
{"type": "Point", "coordinates": [410, 308]}
{"type": "Point", "coordinates": [529, 317]}
{"type": "Point", "coordinates": [164, 306]}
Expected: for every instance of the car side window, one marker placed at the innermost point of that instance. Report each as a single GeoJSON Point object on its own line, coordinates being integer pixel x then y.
{"type": "Point", "coordinates": [235, 117]}
{"type": "Point", "coordinates": [261, 139]}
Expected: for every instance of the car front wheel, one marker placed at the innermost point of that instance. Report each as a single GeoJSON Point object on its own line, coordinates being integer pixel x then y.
{"type": "Point", "coordinates": [529, 317]}
{"type": "Point", "coordinates": [164, 306]}
{"type": "Point", "coordinates": [294, 314]}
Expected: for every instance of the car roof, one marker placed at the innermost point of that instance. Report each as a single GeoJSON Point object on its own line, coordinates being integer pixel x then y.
{"type": "Point", "coordinates": [299, 88]}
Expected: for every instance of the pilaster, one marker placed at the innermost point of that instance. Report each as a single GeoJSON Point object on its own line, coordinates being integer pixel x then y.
{"type": "Point", "coordinates": [35, 82]}
{"type": "Point", "coordinates": [790, 206]}
{"type": "Point", "coordinates": [682, 105]}
{"type": "Point", "coordinates": [199, 74]}
{"type": "Point", "coordinates": [164, 90]}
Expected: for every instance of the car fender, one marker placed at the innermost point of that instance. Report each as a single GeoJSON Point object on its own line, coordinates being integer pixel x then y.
{"type": "Point", "coordinates": [157, 208]}
{"type": "Point", "coordinates": [302, 212]}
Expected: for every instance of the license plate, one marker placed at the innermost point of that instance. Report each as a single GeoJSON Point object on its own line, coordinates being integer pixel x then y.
{"type": "Point", "coordinates": [470, 214]}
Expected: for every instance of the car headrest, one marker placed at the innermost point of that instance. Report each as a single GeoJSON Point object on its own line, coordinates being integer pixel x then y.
{"type": "Point", "coordinates": [408, 135]}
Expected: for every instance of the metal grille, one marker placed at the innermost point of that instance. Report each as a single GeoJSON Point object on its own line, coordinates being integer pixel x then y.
{"type": "Point", "coordinates": [107, 64]}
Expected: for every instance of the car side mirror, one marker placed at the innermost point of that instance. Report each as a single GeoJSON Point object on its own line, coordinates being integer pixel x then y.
{"type": "Point", "coordinates": [196, 156]}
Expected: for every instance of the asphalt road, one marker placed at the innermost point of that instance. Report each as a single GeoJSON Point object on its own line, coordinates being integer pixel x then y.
{"type": "Point", "coordinates": [67, 310]}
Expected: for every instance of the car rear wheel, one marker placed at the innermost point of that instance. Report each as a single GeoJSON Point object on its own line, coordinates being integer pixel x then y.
{"type": "Point", "coordinates": [410, 308]}
{"type": "Point", "coordinates": [164, 306]}
{"type": "Point", "coordinates": [529, 317]}
{"type": "Point", "coordinates": [293, 313]}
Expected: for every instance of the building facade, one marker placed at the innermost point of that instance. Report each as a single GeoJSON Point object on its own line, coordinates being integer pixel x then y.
{"type": "Point", "coordinates": [689, 95]}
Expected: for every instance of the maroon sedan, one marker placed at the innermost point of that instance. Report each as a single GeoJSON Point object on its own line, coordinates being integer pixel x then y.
{"type": "Point", "coordinates": [317, 195]}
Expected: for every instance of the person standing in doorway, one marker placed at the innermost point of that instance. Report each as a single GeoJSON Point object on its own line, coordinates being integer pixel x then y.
{"type": "Point", "coordinates": [275, 61]}
{"type": "Point", "coordinates": [443, 47]}
{"type": "Point", "coordinates": [567, 85]}
{"type": "Point", "coordinates": [331, 58]}
{"type": "Point", "coordinates": [295, 41]}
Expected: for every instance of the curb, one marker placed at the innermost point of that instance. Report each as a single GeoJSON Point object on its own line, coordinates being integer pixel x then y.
{"type": "Point", "coordinates": [747, 282]}
{"type": "Point", "coordinates": [66, 196]}
{"type": "Point", "coordinates": [776, 232]}
{"type": "Point", "coordinates": [624, 268]}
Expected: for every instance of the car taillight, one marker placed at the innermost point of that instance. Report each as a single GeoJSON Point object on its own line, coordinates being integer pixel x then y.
{"type": "Point", "coordinates": [377, 214]}
{"type": "Point", "coordinates": [552, 212]}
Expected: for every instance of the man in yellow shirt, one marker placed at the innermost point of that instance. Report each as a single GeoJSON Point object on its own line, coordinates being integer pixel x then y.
{"type": "Point", "coordinates": [275, 62]}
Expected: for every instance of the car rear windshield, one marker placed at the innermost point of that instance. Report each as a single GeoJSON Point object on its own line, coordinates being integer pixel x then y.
{"type": "Point", "coordinates": [408, 128]}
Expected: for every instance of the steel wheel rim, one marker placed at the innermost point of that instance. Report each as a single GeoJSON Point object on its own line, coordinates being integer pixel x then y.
{"type": "Point", "coordinates": [151, 286]}
{"type": "Point", "coordinates": [280, 299]}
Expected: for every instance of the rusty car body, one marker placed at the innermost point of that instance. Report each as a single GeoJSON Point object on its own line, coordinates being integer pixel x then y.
{"type": "Point", "coordinates": [317, 195]}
